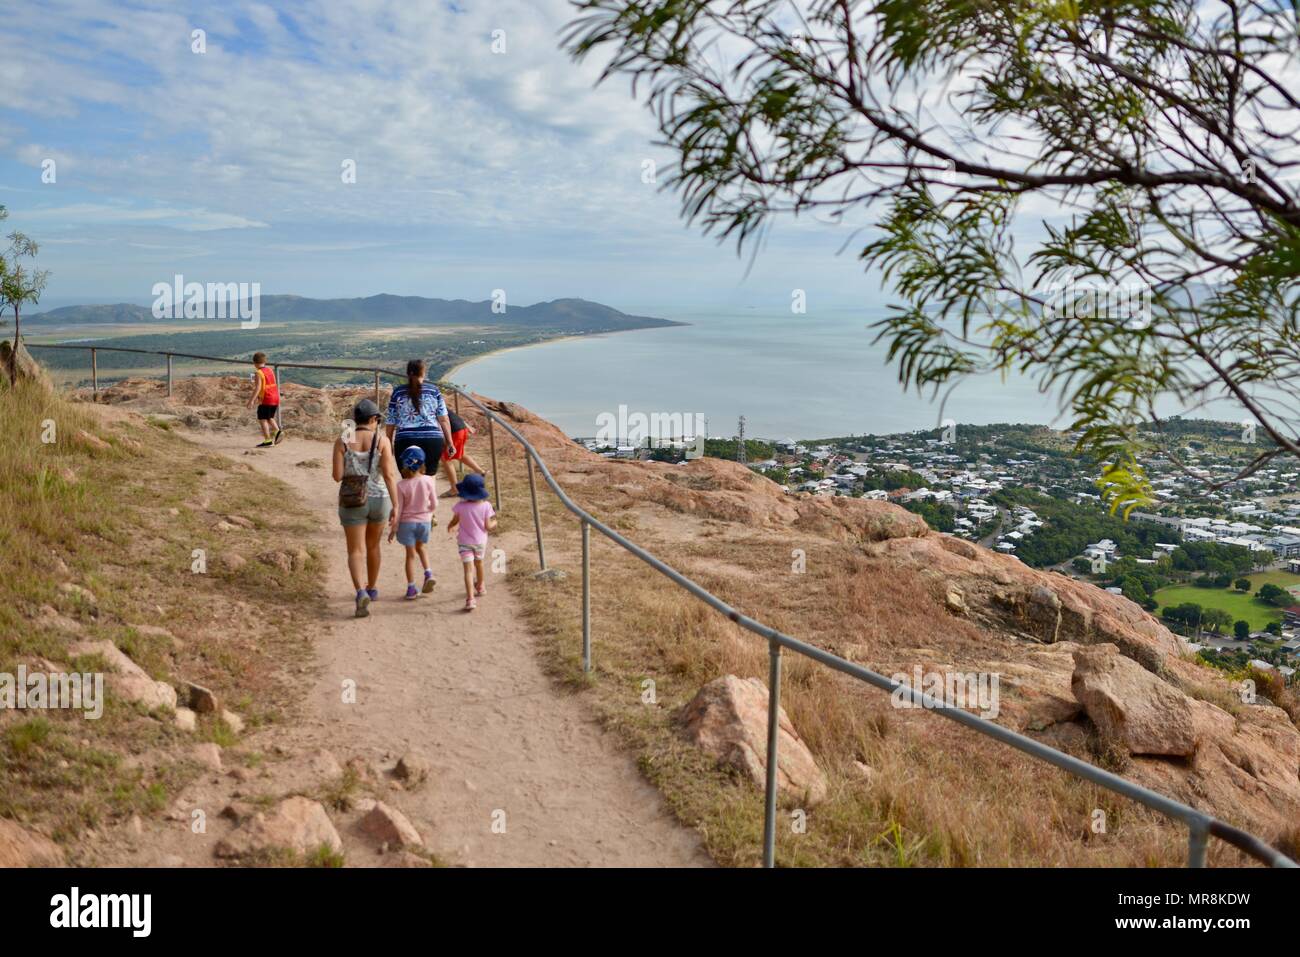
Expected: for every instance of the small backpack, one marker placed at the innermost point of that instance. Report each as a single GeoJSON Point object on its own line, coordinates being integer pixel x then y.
{"type": "Point", "coordinates": [353, 489]}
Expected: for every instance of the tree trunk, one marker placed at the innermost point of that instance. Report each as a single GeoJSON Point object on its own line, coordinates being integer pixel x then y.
{"type": "Point", "coordinates": [13, 363]}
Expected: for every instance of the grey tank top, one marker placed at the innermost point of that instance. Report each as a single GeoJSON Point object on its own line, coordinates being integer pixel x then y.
{"type": "Point", "coordinates": [354, 463]}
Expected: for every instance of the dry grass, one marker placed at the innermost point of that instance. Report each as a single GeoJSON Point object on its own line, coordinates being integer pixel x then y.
{"type": "Point", "coordinates": [939, 794]}
{"type": "Point", "coordinates": [118, 508]}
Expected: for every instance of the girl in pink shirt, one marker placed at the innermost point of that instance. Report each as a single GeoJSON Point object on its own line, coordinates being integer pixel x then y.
{"type": "Point", "coordinates": [417, 500]}
{"type": "Point", "coordinates": [474, 516]}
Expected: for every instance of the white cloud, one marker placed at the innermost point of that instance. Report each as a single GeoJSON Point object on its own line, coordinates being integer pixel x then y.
{"type": "Point", "coordinates": [440, 127]}
{"type": "Point", "coordinates": [190, 220]}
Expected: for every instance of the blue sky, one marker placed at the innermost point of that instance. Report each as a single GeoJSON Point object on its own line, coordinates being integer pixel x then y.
{"type": "Point", "coordinates": [475, 170]}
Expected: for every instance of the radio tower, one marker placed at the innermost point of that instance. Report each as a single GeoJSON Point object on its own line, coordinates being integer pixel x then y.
{"type": "Point", "coordinates": [740, 444]}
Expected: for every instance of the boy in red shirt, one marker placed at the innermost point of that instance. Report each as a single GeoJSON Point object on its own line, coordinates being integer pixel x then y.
{"type": "Point", "coordinates": [266, 398]}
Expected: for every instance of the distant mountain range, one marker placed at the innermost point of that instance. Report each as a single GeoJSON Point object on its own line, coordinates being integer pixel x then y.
{"type": "Point", "coordinates": [576, 315]}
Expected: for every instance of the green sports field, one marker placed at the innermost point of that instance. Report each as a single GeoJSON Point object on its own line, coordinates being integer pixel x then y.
{"type": "Point", "coordinates": [1246, 607]}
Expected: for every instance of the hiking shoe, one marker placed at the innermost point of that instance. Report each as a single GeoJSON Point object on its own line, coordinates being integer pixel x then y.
{"type": "Point", "coordinates": [266, 444]}
{"type": "Point", "coordinates": [429, 582]}
{"type": "Point", "coordinates": [373, 593]}
{"type": "Point", "coordinates": [480, 589]}
{"type": "Point", "coordinates": [363, 605]}
{"type": "Point", "coordinates": [279, 437]}
{"type": "Point", "coordinates": [412, 593]}
{"type": "Point", "coordinates": [470, 604]}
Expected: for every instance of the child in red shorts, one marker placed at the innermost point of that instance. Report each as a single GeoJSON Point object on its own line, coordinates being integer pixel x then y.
{"type": "Point", "coordinates": [266, 399]}
{"type": "Point", "coordinates": [455, 450]}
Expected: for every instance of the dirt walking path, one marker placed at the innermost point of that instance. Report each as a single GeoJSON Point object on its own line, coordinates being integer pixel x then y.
{"type": "Point", "coordinates": [467, 692]}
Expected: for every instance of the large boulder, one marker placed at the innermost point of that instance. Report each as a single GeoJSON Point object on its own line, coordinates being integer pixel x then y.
{"type": "Point", "coordinates": [128, 680]}
{"type": "Point", "coordinates": [27, 366]}
{"type": "Point", "coordinates": [1130, 705]}
{"type": "Point", "coordinates": [19, 847]}
{"type": "Point", "coordinates": [387, 825]}
{"type": "Point", "coordinates": [728, 720]}
{"type": "Point", "coordinates": [295, 824]}
{"type": "Point", "coordinates": [1001, 593]}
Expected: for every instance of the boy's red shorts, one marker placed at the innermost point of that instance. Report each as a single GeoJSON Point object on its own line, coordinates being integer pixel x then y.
{"type": "Point", "coordinates": [456, 448]}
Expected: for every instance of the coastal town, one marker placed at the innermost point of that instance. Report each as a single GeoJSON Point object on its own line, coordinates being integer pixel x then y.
{"type": "Point", "coordinates": [1215, 553]}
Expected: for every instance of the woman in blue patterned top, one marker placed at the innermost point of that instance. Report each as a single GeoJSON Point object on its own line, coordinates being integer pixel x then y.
{"type": "Point", "coordinates": [417, 415]}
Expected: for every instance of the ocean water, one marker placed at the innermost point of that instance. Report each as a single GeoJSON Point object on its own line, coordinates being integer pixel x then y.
{"type": "Point", "coordinates": [791, 376]}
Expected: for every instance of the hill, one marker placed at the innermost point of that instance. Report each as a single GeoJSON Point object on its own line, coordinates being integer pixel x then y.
{"type": "Point", "coordinates": [1086, 671]}
{"type": "Point", "coordinates": [133, 553]}
{"type": "Point", "coordinates": [1079, 668]}
{"type": "Point", "coordinates": [571, 315]}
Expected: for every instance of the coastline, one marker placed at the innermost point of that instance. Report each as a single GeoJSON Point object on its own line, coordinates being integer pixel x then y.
{"type": "Point", "coordinates": [500, 352]}
{"type": "Point", "coordinates": [447, 376]}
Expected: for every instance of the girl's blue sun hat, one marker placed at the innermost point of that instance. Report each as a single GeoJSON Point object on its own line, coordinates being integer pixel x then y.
{"type": "Point", "coordinates": [471, 488]}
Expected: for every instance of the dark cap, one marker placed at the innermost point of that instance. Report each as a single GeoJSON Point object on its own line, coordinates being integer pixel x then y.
{"type": "Point", "coordinates": [364, 411]}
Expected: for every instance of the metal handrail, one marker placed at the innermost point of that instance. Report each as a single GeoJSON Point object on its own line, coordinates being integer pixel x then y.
{"type": "Point", "coordinates": [1200, 825]}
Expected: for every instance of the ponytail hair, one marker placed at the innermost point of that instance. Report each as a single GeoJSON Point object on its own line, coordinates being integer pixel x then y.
{"type": "Point", "coordinates": [414, 371]}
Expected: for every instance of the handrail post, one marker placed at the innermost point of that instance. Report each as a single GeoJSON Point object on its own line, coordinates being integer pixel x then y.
{"type": "Point", "coordinates": [376, 388]}
{"type": "Point", "coordinates": [492, 444]}
{"type": "Point", "coordinates": [169, 375]}
{"type": "Point", "coordinates": [586, 596]}
{"type": "Point", "coordinates": [537, 517]}
{"type": "Point", "coordinates": [94, 375]}
{"type": "Point", "coordinates": [1197, 838]}
{"type": "Point", "coordinates": [773, 731]}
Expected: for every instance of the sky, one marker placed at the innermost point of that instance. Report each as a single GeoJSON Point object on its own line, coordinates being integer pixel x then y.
{"type": "Point", "coordinates": [484, 159]}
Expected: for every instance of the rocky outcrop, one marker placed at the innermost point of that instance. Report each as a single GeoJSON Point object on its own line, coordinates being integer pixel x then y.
{"type": "Point", "coordinates": [387, 826]}
{"type": "Point", "coordinates": [1002, 593]}
{"type": "Point", "coordinates": [208, 755]}
{"type": "Point", "coordinates": [20, 847]}
{"type": "Point", "coordinates": [729, 492]}
{"type": "Point", "coordinates": [21, 363]}
{"type": "Point", "coordinates": [1077, 663]}
{"type": "Point", "coordinates": [1131, 706]}
{"type": "Point", "coordinates": [412, 769]}
{"type": "Point", "coordinates": [295, 824]}
{"type": "Point", "coordinates": [728, 720]}
{"type": "Point", "coordinates": [127, 679]}
{"type": "Point", "coordinates": [212, 403]}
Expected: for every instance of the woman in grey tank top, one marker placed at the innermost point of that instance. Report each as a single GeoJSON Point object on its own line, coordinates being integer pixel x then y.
{"type": "Point", "coordinates": [366, 451]}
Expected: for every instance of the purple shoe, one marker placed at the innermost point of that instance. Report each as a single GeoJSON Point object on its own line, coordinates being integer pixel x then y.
{"type": "Point", "coordinates": [373, 593]}
{"type": "Point", "coordinates": [412, 592]}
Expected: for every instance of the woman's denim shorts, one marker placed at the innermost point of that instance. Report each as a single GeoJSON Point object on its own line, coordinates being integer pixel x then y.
{"type": "Point", "coordinates": [374, 512]}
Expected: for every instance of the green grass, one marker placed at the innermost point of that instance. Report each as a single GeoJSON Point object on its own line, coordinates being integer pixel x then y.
{"type": "Point", "coordinates": [1280, 578]}
{"type": "Point", "coordinates": [1240, 606]}
{"type": "Point", "coordinates": [89, 500]}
